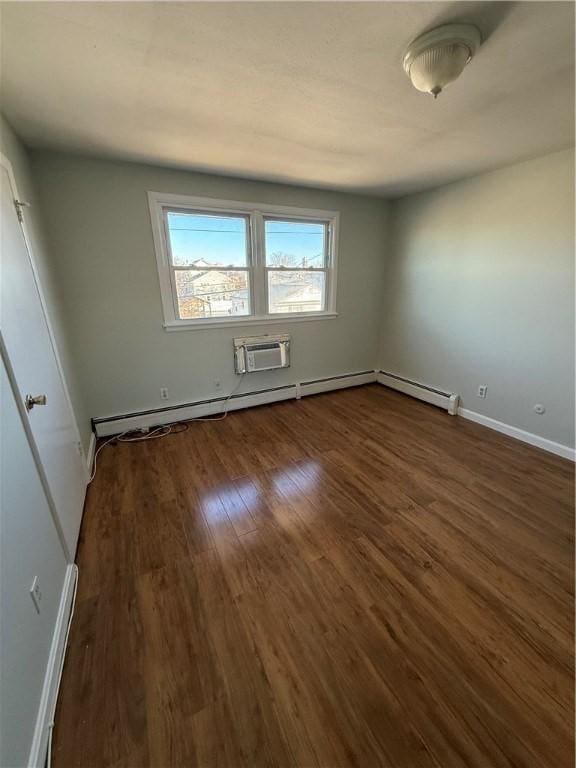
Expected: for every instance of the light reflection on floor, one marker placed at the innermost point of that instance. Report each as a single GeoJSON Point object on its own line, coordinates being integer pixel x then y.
{"type": "Point", "coordinates": [227, 503]}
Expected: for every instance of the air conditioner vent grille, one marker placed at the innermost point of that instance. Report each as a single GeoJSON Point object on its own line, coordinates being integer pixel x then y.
{"type": "Point", "coordinates": [261, 353]}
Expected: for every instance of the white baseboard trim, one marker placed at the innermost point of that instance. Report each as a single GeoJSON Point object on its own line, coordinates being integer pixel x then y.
{"type": "Point", "coordinates": [193, 411]}
{"type": "Point", "coordinates": [116, 424]}
{"type": "Point", "coordinates": [519, 434]}
{"type": "Point", "coordinates": [445, 400]}
{"type": "Point", "coordinates": [38, 750]}
{"type": "Point", "coordinates": [91, 452]}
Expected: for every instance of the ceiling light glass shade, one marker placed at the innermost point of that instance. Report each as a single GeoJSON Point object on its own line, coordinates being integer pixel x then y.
{"type": "Point", "coordinates": [437, 58]}
{"type": "Point", "coordinates": [437, 67]}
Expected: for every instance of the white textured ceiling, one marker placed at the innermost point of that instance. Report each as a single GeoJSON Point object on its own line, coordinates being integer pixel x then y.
{"type": "Point", "coordinates": [308, 93]}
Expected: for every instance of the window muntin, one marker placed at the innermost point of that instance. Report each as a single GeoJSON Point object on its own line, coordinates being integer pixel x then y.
{"type": "Point", "coordinates": [210, 259]}
{"type": "Point", "coordinates": [196, 236]}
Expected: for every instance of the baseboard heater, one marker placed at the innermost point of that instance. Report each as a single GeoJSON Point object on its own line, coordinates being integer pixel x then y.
{"type": "Point", "coordinates": [446, 400]}
{"type": "Point", "coordinates": [113, 425]}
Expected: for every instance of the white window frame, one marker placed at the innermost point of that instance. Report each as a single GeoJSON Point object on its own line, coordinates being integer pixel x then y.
{"type": "Point", "coordinates": [160, 202]}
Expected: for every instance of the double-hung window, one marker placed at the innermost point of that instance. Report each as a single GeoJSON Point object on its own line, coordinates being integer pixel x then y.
{"type": "Point", "coordinates": [223, 262]}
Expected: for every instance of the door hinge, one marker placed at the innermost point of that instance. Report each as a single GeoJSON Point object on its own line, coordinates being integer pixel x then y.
{"type": "Point", "coordinates": [19, 205]}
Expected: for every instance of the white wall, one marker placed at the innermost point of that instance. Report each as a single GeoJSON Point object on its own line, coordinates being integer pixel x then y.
{"type": "Point", "coordinates": [480, 290]}
{"type": "Point", "coordinates": [12, 148]}
{"type": "Point", "coordinates": [29, 547]}
{"type": "Point", "coordinates": [100, 235]}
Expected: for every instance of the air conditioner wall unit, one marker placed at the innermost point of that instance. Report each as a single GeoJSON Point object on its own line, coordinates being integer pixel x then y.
{"type": "Point", "coordinates": [261, 353]}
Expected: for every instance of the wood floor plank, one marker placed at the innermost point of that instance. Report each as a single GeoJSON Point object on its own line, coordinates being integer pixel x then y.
{"type": "Point", "coordinates": [353, 579]}
{"type": "Point", "coordinates": [102, 705]}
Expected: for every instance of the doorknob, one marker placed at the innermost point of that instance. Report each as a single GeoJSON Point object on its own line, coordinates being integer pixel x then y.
{"type": "Point", "coordinates": [32, 401]}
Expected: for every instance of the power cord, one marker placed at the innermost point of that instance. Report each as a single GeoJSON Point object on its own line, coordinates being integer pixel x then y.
{"type": "Point", "coordinates": [225, 412]}
{"type": "Point", "coordinates": [162, 430]}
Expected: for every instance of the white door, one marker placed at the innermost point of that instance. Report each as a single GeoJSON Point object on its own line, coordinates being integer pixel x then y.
{"type": "Point", "coordinates": [28, 344]}
{"type": "Point", "coordinates": [29, 549]}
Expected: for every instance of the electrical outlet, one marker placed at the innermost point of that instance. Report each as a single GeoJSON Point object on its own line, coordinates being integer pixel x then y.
{"type": "Point", "coordinates": [482, 390]}
{"type": "Point", "coordinates": [218, 384]}
{"type": "Point", "coordinates": [36, 593]}
{"type": "Point", "coordinates": [164, 393]}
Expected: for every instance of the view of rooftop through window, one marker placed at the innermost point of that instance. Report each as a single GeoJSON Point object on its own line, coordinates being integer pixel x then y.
{"type": "Point", "coordinates": [212, 264]}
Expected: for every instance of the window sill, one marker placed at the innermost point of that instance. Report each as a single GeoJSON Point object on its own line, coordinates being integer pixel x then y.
{"type": "Point", "coordinates": [197, 325]}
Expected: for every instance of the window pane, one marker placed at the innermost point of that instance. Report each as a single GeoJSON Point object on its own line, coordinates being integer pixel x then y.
{"type": "Point", "coordinates": [292, 291]}
{"type": "Point", "coordinates": [295, 244]}
{"type": "Point", "coordinates": [213, 293]}
{"type": "Point", "coordinates": [202, 240]}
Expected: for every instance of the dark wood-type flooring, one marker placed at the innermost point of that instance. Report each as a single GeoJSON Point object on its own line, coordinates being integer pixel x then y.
{"type": "Point", "coordinates": [355, 579]}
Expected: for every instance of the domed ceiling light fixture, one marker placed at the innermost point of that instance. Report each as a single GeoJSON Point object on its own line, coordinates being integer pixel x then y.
{"type": "Point", "coordinates": [437, 58]}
